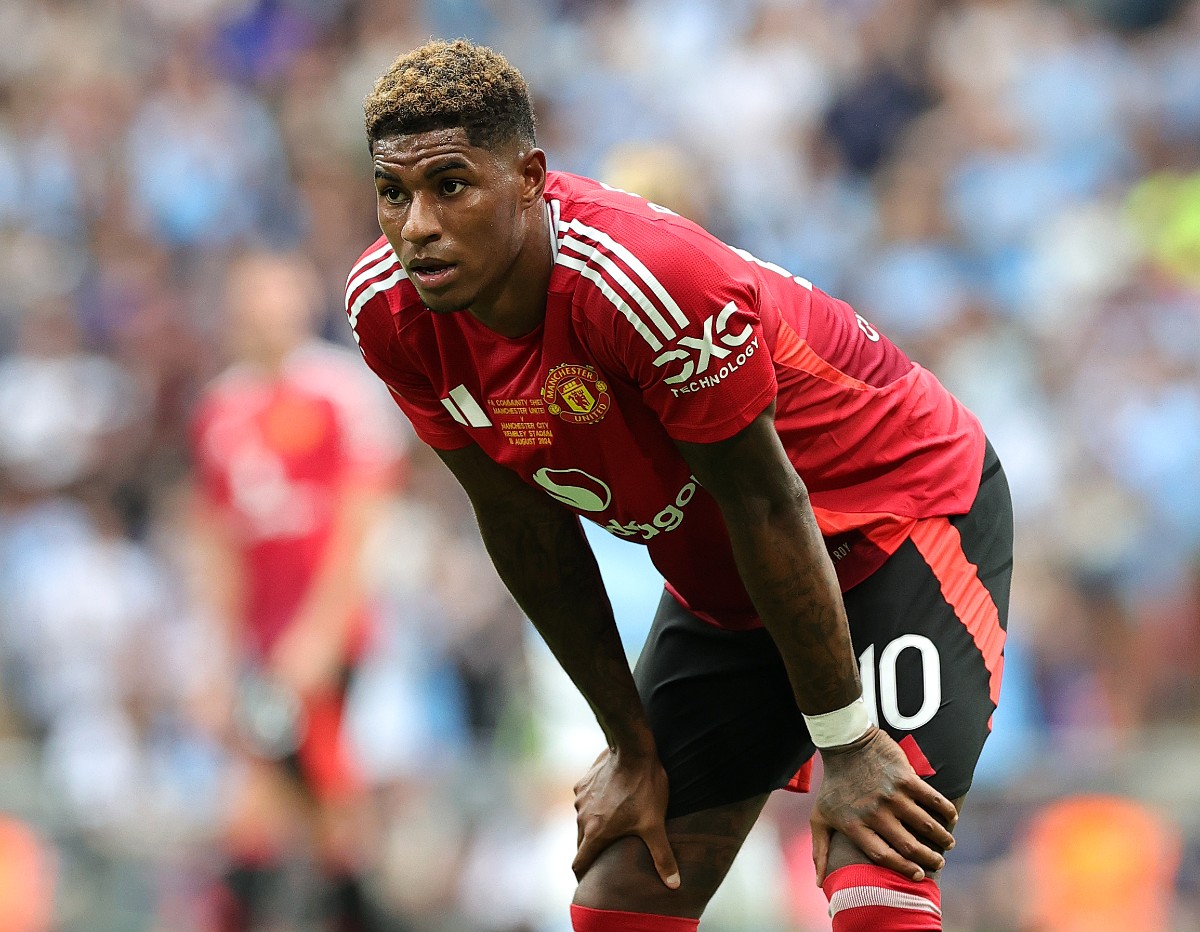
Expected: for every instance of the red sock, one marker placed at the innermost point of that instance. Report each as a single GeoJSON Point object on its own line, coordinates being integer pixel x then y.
{"type": "Point", "coordinates": [584, 919]}
{"type": "Point", "coordinates": [866, 898]}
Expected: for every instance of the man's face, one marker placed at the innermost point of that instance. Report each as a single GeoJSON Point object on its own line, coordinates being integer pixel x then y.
{"type": "Point", "coordinates": [452, 212]}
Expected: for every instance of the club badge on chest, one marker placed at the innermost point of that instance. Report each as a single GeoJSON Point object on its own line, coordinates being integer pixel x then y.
{"type": "Point", "coordinates": [576, 393]}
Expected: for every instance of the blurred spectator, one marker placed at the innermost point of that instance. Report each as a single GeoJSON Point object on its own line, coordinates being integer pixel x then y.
{"type": "Point", "coordinates": [1076, 871]}
{"type": "Point", "coordinates": [26, 879]}
{"type": "Point", "coordinates": [293, 458]}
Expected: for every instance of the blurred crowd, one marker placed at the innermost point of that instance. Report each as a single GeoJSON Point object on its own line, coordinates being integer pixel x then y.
{"type": "Point", "coordinates": [1010, 189]}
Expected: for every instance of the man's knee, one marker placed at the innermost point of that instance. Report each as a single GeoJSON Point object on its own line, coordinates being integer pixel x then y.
{"type": "Point", "coordinates": [623, 879]}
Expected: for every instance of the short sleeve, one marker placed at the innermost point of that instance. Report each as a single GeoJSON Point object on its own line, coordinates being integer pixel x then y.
{"type": "Point", "coordinates": [377, 339]}
{"type": "Point", "coordinates": [686, 328]}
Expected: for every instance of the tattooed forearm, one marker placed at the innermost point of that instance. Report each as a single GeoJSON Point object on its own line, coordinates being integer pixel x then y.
{"type": "Point", "coordinates": [782, 560]}
{"type": "Point", "coordinates": [544, 560]}
{"type": "Point", "coordinates": [541, 555]}
{"type": "Point", "coordinates": [784, 565]}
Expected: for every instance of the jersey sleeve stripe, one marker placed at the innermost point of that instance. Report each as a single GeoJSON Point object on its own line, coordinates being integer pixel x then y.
{"type": "Point", "coordinates": [596, 255]}
{"type": "Point", "coordinates": [367, 260]}
{"type": "Point", "coordinates": [635, 265]}
{"type": "Point", "coordinates": [353, 310]}
{"type": "Point", "coordinates": [596, 278]}
{"type": "Point", "coordinates": [378, 268]}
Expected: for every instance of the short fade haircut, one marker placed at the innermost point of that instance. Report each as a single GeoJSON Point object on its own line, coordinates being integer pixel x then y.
{"type": "Point", "coordinates": [445, 85]}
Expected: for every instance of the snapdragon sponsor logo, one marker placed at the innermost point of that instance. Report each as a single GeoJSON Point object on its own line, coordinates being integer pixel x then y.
{"type": "Point", "coordinates": [708, 359]}
{"type": "Point", "coordinates": [666, 520]}
{"type": "Point", "coordinates": [574, 487]}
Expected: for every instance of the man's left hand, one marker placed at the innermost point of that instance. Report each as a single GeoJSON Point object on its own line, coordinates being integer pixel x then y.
{"type": "Point", "coordinates": [871, 794]}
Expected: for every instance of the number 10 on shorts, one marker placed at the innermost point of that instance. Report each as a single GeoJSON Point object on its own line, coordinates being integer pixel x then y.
{"type": "Point", "coordinates": [880, 690]}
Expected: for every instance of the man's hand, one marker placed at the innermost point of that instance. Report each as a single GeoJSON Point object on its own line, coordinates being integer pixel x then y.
{"type": "Point", "coordinates": [871, 794]}
{"type": "Point", "coordinates": [624, 795]}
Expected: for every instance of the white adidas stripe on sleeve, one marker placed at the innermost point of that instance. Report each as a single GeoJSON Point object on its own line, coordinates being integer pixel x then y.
{"type": "Point", "coordinates": [367, 260]}
{"type": "Point", "coordinates": [594, 276]}
{"type": "Point", "coordinates": [353, 310]}
{"type": "Point", "coordinates": [635, 265]}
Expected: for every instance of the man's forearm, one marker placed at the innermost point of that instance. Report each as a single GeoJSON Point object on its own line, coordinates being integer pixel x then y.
{"type": "Point", "coordinates": [783, 563]}
{"type": "Point", "coordinates": [547, 565]}
{"type": "Point", "coordinates": [782, 560]}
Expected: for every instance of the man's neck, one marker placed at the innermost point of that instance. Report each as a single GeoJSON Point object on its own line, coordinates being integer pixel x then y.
{"type": "Point", "coordinates": [521, 306]}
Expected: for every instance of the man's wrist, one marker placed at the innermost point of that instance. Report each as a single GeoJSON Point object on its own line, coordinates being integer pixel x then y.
{"type": "Point", "coordinates": [841, 726]}
{"type": "Point", "coordinates": [631, 740]}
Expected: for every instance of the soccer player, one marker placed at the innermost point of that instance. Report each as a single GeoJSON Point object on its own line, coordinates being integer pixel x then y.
{"type": "Point", "coordinates": [814, 500]}
{"type": "Point", "coordinates": [293, 462]}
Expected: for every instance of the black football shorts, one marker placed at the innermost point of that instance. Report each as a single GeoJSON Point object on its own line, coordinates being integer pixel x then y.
{"type": "Point", "coordinates": [928, 629]}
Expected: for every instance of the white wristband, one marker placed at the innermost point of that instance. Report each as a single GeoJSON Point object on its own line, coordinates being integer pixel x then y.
{"type": "Point", "coordinates": [841, 726]}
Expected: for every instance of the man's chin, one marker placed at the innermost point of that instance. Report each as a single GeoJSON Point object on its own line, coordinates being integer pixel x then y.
{"type": "Point", "coordinates": [442, 304]}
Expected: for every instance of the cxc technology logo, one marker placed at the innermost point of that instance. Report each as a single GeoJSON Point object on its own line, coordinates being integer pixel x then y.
{"type": "Point", "coordinates": [698, 353]}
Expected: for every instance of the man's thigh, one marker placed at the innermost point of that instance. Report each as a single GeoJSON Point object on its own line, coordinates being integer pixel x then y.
{"type": "Point", "coordinates": [722, 711]}
{"type": "Point", "coordinates": [929, 629]}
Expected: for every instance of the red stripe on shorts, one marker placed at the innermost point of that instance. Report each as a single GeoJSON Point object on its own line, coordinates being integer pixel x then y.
{"type": "Point", "coordinates": [938, 541]}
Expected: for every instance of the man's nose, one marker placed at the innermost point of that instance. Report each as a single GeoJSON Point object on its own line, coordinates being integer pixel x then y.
{"type": "Point", "coordinates": [421, 224]}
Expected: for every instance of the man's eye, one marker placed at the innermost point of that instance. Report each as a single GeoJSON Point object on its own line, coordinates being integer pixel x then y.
{"type": "Point", "coordinates": [393, 195]}
{"type": "Point", "coordinates": [452, 186]}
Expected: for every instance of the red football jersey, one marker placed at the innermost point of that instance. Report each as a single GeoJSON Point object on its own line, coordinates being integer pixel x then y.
{"type": "Point", "coordinates": [273, 455]}
{"type": "Point", "coordinates": [656, 331]}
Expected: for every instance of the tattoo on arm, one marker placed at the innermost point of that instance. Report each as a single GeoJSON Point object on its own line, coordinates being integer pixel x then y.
{"type": "Point", "coordinates": [782, 560]}
{"type": "Point", "coordinates": [543, 558]}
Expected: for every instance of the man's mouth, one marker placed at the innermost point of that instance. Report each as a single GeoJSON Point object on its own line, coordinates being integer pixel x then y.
{"type": "Point", "coordinates": [431, 273]}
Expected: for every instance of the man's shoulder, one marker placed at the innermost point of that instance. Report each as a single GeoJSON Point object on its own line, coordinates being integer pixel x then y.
{"type": "Point", "coordinates": [239, 380]}
{"type": "Point", "coordinates": [377, 289]}
{"type": "Point", "coordinates": [591, 217]}
{"type": "Point", "coordinates": [629, 259]}
{"type": "Point", "coordinates": [225, 407]}
{"type": "Point", "coordinates": [578, 202]}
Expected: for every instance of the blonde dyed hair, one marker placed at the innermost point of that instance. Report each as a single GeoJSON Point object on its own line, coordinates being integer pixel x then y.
{"type": "Point", "coordinates": [444, 85]}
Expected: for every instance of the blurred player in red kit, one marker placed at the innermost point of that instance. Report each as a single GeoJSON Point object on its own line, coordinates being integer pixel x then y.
{"type": "Point", "coordinates": [815, 501]}
{"type": "Point", "coordinates": [293, 458]}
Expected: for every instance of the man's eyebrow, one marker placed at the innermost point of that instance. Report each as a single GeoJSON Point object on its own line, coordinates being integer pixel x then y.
{"type": "Point", "coordinates": [453, 165]}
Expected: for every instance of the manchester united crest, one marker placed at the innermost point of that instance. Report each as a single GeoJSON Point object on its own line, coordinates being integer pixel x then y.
{"type": "Point", "coordinates": [576, 393]}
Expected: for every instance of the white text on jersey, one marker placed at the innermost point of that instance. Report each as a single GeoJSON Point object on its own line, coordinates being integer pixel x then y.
{"type": "Point", "coordinates": [697, 353]}
{"type": "Point", "coordinates": [666, 520]}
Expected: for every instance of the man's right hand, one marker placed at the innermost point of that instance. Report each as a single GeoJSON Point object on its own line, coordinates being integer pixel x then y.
{"type": "Point", "coordinates": [624, 794]}
{"type": "Point", "coordinates": [871, 794]}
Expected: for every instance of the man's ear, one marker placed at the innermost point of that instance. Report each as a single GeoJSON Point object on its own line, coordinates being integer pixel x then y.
{"type": "Point", "coordinates": [533, 177]}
